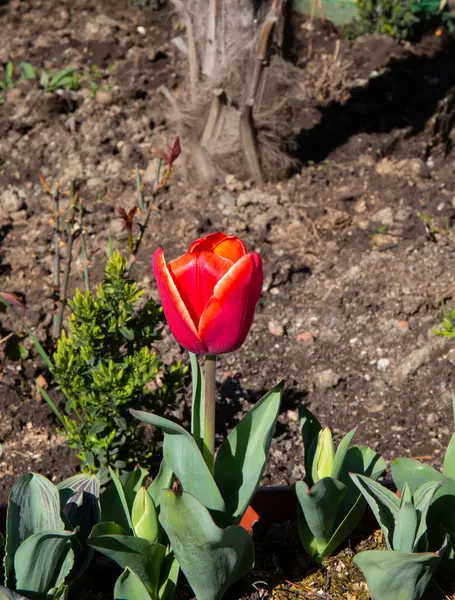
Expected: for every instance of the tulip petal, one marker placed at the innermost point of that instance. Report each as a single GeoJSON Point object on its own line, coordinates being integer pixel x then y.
{"type": "Point", "coordinates": [227, 246]}
{"type": "Point", "coordinates": [179, 320]}
{"type": "Point", "coordinates": [228, 315]}
{"type": "Point", "coordinates": [195, 276]}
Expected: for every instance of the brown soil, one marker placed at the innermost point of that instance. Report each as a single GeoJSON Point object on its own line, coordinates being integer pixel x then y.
{"type": "Point", "coordinates": [353, 278]}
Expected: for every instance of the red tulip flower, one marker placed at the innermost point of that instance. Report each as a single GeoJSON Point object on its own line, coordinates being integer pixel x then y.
{"type": "Point", "coordinates": [210, 293]}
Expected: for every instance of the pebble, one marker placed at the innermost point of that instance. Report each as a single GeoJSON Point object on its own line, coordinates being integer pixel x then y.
{"type": "Point", "coordinates": [306, 337]}
{"type": "Point", "coordinates": [403, 325]}
{"type": "Point", "coordinates": [10, 202]}
{"type": "Point", "coordinates": [327, 379]}
{"type": "Point", "coordinates": [383, 364]}
{"type": "Point", "coordinates": [276, 329]}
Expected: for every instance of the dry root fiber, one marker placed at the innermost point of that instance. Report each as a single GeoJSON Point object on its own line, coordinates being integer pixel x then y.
{"type": "Point", "coordinates": [237, 111]}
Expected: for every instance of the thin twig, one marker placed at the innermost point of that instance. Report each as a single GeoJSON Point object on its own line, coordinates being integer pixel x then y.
{"type": "Point", "coordinates": [58, 318]}
{"type": "Point", "coordinates": [84, 247]}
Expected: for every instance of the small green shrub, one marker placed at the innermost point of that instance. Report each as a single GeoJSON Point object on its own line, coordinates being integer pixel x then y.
{"type": "Point", "coordinates": [389, 17]}
{"type": "Point", "coordinates": [104, 366]}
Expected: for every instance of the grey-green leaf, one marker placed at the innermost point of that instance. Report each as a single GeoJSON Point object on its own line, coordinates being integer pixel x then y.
{"type": "Point", "coordinates": [33, 507]}
{"type": "Point", "coordinates": [161, 482]}
{"type": "Point", "coordinates": [341, 452]}
{"type": "Point", "coordinates": [211, 558]}
{"type": "Point", "coordinates": [42, 562]}
{"type": "Point", "coordinates": [242, 457]}
{"type": "Point", "coordinates": [397, 575]}
{"type": "Point", "coordinates": [384, 504]}
{"type": "Point", "coordinates": [139, 555]}
{"type": "Point", "coordinates": [130, 587]}
{"type": "Point", "coordinates": [405, 528]}
{"type": "Point", "coordinates": [449, 459]}
{"type": "Point", "coordinates": [319, 506]}
{"type": "Point", "coordinates": [184, 458]}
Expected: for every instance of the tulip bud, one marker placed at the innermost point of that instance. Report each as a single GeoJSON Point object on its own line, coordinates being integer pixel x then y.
{"type": "Point", "coordinates": [324, 456]}
{"type": "Point", "coordinates": [144, 517]}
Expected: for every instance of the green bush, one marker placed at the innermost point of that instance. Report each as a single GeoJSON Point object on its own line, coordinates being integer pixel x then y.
{"type": "Point", "coordinates": [389, 17]}
{"type": "Point", "coordinates": [104, 366]}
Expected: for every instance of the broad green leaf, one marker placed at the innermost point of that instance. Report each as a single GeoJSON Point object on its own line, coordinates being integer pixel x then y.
{"type": "Point", "coordinates": [413, 472]}
{"type": "Point", "coordinates": [42, 562]}
{"type": "Point", "coordinates": [6, 594]}
{"type": "Point", "coordinates": [211, 558]}
{"type": "Point", "coordinates": [184, 458]}
{"type": "Point", "coordinates": [130, 587]}
{"type": "Point", "coordinates": [58, 78]}
{"type": "Point", "coordinates": [242, 457]}
{"type": "Point", "coordinates": [107, 528]}
{"type": "Point", "coordinates": [132, 483]}
{"type": "Point", "coordinates": [198, 400]}
{"type": "Point", "coordinates": [345, 526]}
{"type": "Point", "coordinates": [169, 576]}
{"type": "Point", "coordinates": [384, 504]}
{"type": "Point", "coordinates": [422, 501]}
{"type": "Point", "coordinates": [449, 459]}
{"type": "Point", "coordinates": [341, 452]}
{"type": "Point", "coordinates": [405, 528]}
{"type": "Point", "coordinates": [397, 575]}
{"type": "Point", "coordinates": [139, 555]}
{"type": "Point", "coordinates": [309, 428]}
{"type": "Point", "coordinates": [33, 507]}
{"type": "Point", "coordinates": [161, 482]}
{"type": "Point", "coordinates": [320, 505]}
{"type": "Point", "coordinates": [363, 460]}
{"type": "Point", "coordinates": [114, 506]}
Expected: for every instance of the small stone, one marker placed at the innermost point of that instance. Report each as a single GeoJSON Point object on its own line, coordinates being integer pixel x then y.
{"type": "Point", "coordinates": [10, 202]}
{"type": "Point", "coordinates": [19, 215]}
{"type": "Point", "coordinates": [403, 325]}
{"type": "Point", "coordinates": [292, 415]}
{"type": "Point", "coordinates": [327, 379]}
{"type": "Point", "coordinates": [306, 338]}
{"type": "Point", "coordinates": [104, 97]}
{"type": "Point", "coordinates": [383, 364]}
{"type": "Point", "coordinates": [141, 30]}
{"type": "Point", "coordinates": [276, 329]}
{"type": "Point", "coordinates": [383, 216]}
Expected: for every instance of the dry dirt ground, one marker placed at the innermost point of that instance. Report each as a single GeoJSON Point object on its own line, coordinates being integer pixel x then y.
{"type": "Point", "coordinates": [358, 247]}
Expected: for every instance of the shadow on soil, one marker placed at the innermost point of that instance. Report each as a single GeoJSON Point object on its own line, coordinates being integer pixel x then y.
{"type": "Point", "coordinates": [405, 96]}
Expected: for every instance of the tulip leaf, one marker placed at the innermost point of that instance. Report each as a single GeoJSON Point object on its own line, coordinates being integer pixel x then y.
{"type": "Point", "coordinates": [317, 512]}
{"type": "Point", "coordinates": [107, 528]}
{"type": "Point", "coordinates": [383, 503]}
{"type": "Point", "coordinates": [398, 575]}
{"type": "Point", "coordinates": [414, 473]}
{"type": "Point", "coordinates": [211, 558]}
{"type": "Point", "coordinates": [139, 555]}
{"type": "Point", "coordinates": [130, 587]}
{"type": "Point", "coordinates": [309, 428]}
{"type": "Point", "coordinates": [341, 453]}
{"type": "Point", "coordinates": [405, 528]}
{"type": "Point", "coordinates": [242, 457]}
{"type": "Point", "coordinates": [114, 504]}
{"type": "Point", "coordinates": [184, 458]}
{"type": "Point", "coordinates": [169, 576]}
{"type": "Point", "coordinates": [33, 507]}
{"type": "Point", "coordinates": [449, 459]}
{"type": "Point", "coordinates": [42, 562]}
{"type": "Point", "coordinates": [198, 402]}
{"type": "Point", "coordinates": [422, 502]}
{"type": "Point", "coordinates": [161, 482]}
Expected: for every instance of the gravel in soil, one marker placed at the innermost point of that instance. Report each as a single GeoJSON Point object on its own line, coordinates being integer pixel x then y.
{"type": "Point", "coordinates": [354, 276]}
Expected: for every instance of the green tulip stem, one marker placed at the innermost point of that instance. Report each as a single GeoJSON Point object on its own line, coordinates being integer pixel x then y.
{"type": "Point", "coordinates": [208, 450]}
